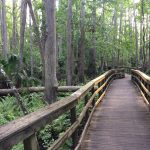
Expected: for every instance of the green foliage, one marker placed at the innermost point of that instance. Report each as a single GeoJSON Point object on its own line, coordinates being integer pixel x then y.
{"type": "Point", "coordinates": [108, 43]}
{"type": "Point", "coordinates": [52, 132]}
{"type": "Point", "coordinates": [8, 110]}
{"type": "Point", "coordinates": [148, 71]}
{"type": "Point", "coordinates": [33, 101]}
{"type": "Point", "coordinates": [18, 147]}
{"type": "Point", "coordinates": [19, 77]}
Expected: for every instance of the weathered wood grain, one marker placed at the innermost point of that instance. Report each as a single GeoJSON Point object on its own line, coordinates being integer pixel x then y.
{"type": "Point", "coordinates": [23, 128]}
{"type": "Point", "coordinates": [142, 75]}
{"type": "Point", "coordinates": [39, 89]}
{"type": "Point", "coordinates": [122, 121]}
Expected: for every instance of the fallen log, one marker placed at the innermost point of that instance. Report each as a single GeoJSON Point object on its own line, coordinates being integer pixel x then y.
{"type": "Point", "coordinates": [39, 89]}
{"type": "Point", "coordinates": [15, 92]}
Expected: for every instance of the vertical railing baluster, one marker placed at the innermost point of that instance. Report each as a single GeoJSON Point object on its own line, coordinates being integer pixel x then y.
{"type": "Point", "coordinates": [100, 92]}
{"type": "Point", "coordinates": [31, 143]}
{"type": "Point", "coordinates": [87, 112]}
{"type": "Point", "coordinates": [75, 134]}
{"type": "Point", "coordinates": [92, 91]}
{"type": "Point", "coordinates": [148, 97]}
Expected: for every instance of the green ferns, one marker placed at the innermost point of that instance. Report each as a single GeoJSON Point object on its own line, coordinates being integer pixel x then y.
{"type": "Point", "coordinates": [9, 110]}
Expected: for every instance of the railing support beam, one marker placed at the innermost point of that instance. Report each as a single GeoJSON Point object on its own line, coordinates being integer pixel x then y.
{"type": "Point", "coordinates": [92, 91]}
{"type": "Point", "coordinates": [31, 143]}
{"type": "Point", "coordinates": [75, 134]}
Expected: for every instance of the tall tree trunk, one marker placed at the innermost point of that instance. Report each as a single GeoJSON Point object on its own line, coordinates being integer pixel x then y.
{"type": "Point", "coordinates": [148, 39]}
{"type": "Point", "coordinates": [0, 23]}
{"type": "Point", "coordinates": [14, 35]}
{"type": "Point", "coordinates": [36, 29]}
{"type": "Point", "coordinates": [120, 31]}
{"type": "Point", "coordinates": [22, 29]}
{"type": "Point", "coordinates": [31, 48]}
{"type": "Point", "coordinates": [41, 44]}
{"type": "Point", "coordinates": [125, 26]}
{"type": "Point", "coordinates": [93, 50]}
{"type": "Point", "coordinates": [149, 45]}
{"type": "Point", "coordinates": [81, 51]}
{"type": "Point", "coordinates": [142, 36]}
{"type": "Point", "coordinates": [60, 42]}
{"type": "Point", "coordinates": [4, 30]}
{"type": "Point", "coordinates": [50, 54]}
{"type": "Point", "coordinates": [136, 36]}
{"type": "Point", "coordinates": [102, 54]}
{"type": "Point", "coordinates": [69, 65]}
{"type": "Point", "coordinates": [130, 24]}
{"type": "Point", "coordinates": [44, 34]}
{"type": "Point", "coordinates": [114, 36]}
{"type": "Point", "coordinates": [146, 36]}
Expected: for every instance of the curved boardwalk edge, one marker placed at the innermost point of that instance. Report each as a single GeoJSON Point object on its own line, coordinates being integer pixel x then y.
{"type": "Point", "coordinates": [122, 121]}
{"type": "Point", "coordinates": [25, 128]}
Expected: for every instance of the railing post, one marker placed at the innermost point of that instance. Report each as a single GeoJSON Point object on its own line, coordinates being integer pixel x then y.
{"type": "Point", "coordinates": [100, 92]}
{"type": "Point", "coordinates": [102, 82]}
{"type": "Point", "coordinates": [105, 85]}
{"type": "Point", "coordinates": [93, 102]}
{"type": "Point", "coordinates": [75, 134]}
{"type": "Point", "coordinates": [131, 75]}
{"type": "Point", "coordinates": [87, 113]}
{"type": "Point", "coordinates": [31, 143]}
{"type": "Point", "coordinates": [148, 97]}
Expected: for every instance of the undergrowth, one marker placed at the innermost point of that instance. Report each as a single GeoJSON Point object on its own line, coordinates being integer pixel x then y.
{"type": "Point", "coordinates": [9, 111]}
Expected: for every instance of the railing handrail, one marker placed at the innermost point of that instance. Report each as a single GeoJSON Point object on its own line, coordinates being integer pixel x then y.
{"type": "Point", "coordinates": [142, 81]}
{"type": "Point", "coordinates": [127, 67]}
{"type": "Point", "coordinates": [22, 128]}
{"type": "Point", "coordinates": [144, 76]}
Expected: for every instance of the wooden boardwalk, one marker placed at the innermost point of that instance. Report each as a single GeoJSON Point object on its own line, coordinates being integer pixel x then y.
{"type": "Point", "coordinates": [121, 122]}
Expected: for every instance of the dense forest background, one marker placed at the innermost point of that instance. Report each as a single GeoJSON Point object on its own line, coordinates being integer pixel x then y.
{"type": "Point", "coordinates": [67, 42]}
{"type": "Point", "coordinates": [93, 35]}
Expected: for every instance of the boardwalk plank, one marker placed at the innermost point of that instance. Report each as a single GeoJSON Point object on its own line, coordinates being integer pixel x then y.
{"type": "Point", "coordinates": [121, 122]}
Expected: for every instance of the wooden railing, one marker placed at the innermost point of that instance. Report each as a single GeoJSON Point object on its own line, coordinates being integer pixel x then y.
{"type": "Point", "coordinates": [127, 69]}
{"type": "Point", "coordinates": [24, 129]}
{"type": "Point", "coordinates": [142, 81]}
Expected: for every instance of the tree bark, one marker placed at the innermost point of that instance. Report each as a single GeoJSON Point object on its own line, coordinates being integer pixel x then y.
{"type": "Point", "coordinates": [16, 94]}
{"type": "Point", "coordinates": [36, 29]}
{"type": "Point", "coordinates": [69, 65]}
{"type": "Point", "coordinates": [149, 49]}
{"type": "Point", "coordinates": [81, 51]}
{"type": "Point", "coordinates": [22, 29]}
{"type": "Point", "coordinates": [4, 30]}
{"type": "Point", "coordinates": [120, 32]}
{"type": "Point", "coordinates": [14, 35]}
{"type": "Point", "coordinates": [31, 48]}
{"type": "Point", "coordinates": [50, 54]}
{"type": "Point", "coordinates": [143, 34]}
{"type": "Point", "coordinates": [93, 57]}
{"type": "Point", "coordinates": [149, 41]}
{"type": "Point", "coordinates": [130, 24]}
{"type": "Point", "coordinates": [41, 44]}
{"type": "Point", "coordinates": [114, 37]}
{"type": "Point", "coordinates": [60, 42]}
{"type": "Point", "coordinates": [44, 34]}
{"type": "Point", "coordinates": [136, 36]}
